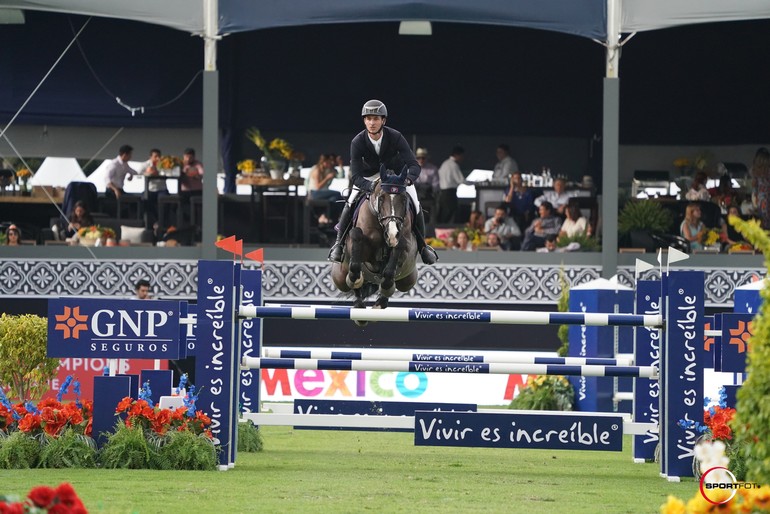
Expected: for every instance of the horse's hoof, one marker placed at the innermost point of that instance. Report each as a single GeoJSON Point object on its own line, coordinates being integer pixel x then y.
{"type": "Point", "coordinates": [380, 304]}
{"type": "Point", "coordinates": [361, 323]}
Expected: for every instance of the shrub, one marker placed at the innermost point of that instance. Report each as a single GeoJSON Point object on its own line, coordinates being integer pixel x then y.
{"type": "Point", "coordinates": [68, 450]}
{"type": "Point", "coordinates": [249, 438]}
{"type": "Point", "coordinates": [185, 450]}
{"type": "Point", "coordinates": [646, 216]}
{"type": "Point", "coordinates": [545, 392]}
{"type": "Point", "coordinates": [19, 451]}
{"type": "Point", "coordinates": [126, 448]}
{"type": "Point", "coordinates": [24, 368]}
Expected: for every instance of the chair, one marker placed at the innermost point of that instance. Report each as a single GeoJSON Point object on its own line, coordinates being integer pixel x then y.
{"type": "Point", "coordinates": [166, 202]}
{"type": "Point", "coordinates": [80, 191]}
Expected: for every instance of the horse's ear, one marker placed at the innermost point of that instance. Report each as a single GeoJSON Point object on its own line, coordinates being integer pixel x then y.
{"type": "Point", "coordinates": [404, 173]}
{"type": "Point", "coordinates": [383, 172]}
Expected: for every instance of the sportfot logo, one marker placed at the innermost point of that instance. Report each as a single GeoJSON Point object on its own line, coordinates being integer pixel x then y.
{"type": "Point", "coordinates": [71, 322]}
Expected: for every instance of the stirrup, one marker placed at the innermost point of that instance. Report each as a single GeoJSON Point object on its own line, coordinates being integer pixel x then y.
{"type": "Point", "coordinates": [428, 255]}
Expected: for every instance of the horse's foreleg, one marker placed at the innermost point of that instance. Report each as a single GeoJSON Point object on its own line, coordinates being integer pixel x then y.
{"type": "Point", "coordinates": [388, 286]}
{"type": "Point", "coordinates": [355, 278]}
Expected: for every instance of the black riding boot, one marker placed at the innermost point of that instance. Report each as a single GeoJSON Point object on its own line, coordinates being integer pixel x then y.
{"type": "Point", "coordinates": [335, 254]}
{"type": "Point", "coordinates": [427, 253]}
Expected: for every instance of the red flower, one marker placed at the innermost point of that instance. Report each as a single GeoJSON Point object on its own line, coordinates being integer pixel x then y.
{"type": "Point", "coordinates": [89, 427]}
{"type": "Point", "coordinates": [162, 421]}
{"type": "Point", "coordinates": [42, 496]}
{"type": "Point", "coordinates": [49, 402]}
{"type": "Point", "coordinates": [29, 423]}
{"type": "Point", "coordinates": [124, 404]}
{"type": "Point", "coordinates": [11, 508]}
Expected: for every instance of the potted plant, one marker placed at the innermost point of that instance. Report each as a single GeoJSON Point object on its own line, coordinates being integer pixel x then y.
{"type": "Point", "coordinates": [639, 221]}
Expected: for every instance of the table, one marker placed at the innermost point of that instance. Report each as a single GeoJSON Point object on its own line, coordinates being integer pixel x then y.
{"type": "Point", "coordinates": [261, 184]}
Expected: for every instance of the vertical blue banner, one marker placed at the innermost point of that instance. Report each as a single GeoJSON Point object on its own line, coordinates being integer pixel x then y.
{"type": "Point", "coordinates": [160, 382]}
{"type": "Point", "coordinates": [685, 359]}
{"type": "Point", "coordinates": [251, 340]}
{"type": "Point", "coordinates": [711, 344]}
{"type": "Point", "coordinates": [747, 298]}
{"type": "Point", "coordinates": [214, 354]}
{"type": "Point", "coordinates": [108, 392]}
{"type": "Point", "coordinates": [736, 329]}
{"type": "Point", "coordinates": [647, 353]}
{"type": "Point", "coordinates": [235, 368]}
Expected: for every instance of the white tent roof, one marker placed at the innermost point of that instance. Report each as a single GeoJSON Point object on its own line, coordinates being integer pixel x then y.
{"type": "Point", "coordinates": [57, 171]}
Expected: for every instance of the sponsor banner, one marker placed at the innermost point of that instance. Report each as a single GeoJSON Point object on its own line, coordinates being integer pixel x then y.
{"type": "Point", "coordinates": [214, 349]}
{"type": "Point", "coordinates": [519, 430]}
{"type": "Point", "coordinates": [685, 360]}
{"type": "Point", "coordinates": [251, 337]}
{"type": "Point", "coordinates": [286, 385]}
{"type": "Point", "coordinates": [127, 329]}
{"type": "Point", "coordinates": [747, 300]}
{"type": "Point", "coordinates": [737, 329]}
{"type": "Point", "coordinates": [647, 353]}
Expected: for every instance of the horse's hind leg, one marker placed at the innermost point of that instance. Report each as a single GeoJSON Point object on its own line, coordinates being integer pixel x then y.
{"type": "Point", "coordinates": [355, 278]}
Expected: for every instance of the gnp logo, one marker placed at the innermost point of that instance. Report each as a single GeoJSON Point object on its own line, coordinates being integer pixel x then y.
{"type": "Point", "coordinates": [71, 322]}
{"type": "Point", "coordinates": [718, 485]}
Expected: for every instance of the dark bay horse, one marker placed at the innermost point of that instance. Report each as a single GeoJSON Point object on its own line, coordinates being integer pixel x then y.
{"type": "Point", "coordinates": [381, 250]}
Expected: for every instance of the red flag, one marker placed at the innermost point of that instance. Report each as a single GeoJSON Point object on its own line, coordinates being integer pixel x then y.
{"type": "Point", "coordinates": [227, 244]}
{"type": "Point", "coordinates": [257, 255]}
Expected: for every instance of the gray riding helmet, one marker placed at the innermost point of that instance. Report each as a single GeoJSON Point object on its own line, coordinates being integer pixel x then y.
{"type": "Point", "coordinates": [374, 108]}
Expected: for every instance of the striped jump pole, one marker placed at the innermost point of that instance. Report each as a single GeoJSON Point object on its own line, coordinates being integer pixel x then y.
{"type": "Point", "coordinates": [450, 315]}
{"type": "Point", "coordinates": [394, 354]}
{"type": "Point", "coordinates": [452, 367]}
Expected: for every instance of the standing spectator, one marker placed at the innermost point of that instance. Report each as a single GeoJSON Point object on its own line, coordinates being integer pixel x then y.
{"type": "Point", "coordinates": [575, 223]}
{"type": "Point", "coordinates": [450, 177]}
{"type": "Point", "coordinates": [190, 180]}
{"type": "Point", "coordinates": [692, 228]}
{"type": "Point", "coordinates": [760, 184]}
{"type": "Point", "coordinates": [156, 187]}
{"type": "Point", "coordinates": [547, 224]}
{"type": "Point", "coordinates": [520, 200]}
{"type": "Point", "coordinates": [506, 229]}
{"type": "Point", "coordinates": [78, 218]}
{"type": "Point", "coordinates": [558, 197]}
{"type": "Point", "coordinates": [698, 189]}
{"type": "Point", "coordinates": [142, 290]}
{"type": "Point", "coordinates": [427, 184]}
{"type": "Point", "coordinates": [505, 164]}
{"type": "Point", "coordinates": [118, 171]}
{"type": "Point", "coordinates": [12, 236]}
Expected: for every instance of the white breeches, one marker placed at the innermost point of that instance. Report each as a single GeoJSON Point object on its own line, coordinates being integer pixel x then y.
{"type": "Point", "coordinates": [410, 190]}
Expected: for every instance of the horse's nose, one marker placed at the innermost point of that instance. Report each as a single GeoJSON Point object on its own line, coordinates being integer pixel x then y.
{"type": "Point", "coordinates": [392, 234]}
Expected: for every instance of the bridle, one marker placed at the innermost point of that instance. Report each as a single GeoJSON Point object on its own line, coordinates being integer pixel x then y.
{"type": "Point", "coordinates": [383, 220]}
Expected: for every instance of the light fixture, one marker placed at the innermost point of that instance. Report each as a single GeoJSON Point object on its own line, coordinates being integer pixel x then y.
{"type": "Point", "coordinates": [415, 28]}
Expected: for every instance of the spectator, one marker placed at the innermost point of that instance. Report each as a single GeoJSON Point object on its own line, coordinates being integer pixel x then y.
{"type": "Point", "coordinates": [575, 223]}
{"type": "Point", "coordinates": [558, 197]}
{"type": "Point", "coordinates": [692, 228]}
{"type": "Point", "coordinates": [540, 228]}
{"type": "Point", "coordinates": [760, 185]}
{"type": "Point", "coordinates": [491, 241]}
{"type": "Point", "coordinates": [463, 242]}
{"type": "Point", "coordinates": [520, 200]}
{"type": "Point", "coordinates": [12, 236]}
{"type": "Point", "coordinates": [728, 234]}
{"type": "Point", "coordinates": [428, 183]}
{"type": "Point", "coordinates": [156, 187]}
{"type": "Point", "coordinates": [506, 229]}
{"type": "Point", "coordinates": [78, 218]}
{"type": "Point", "coordinates": [475, 221]}
{"type": "Point", "coordinates": [450, 177]}
{"type": "Point", "coordinates": [551, 246]}
{"type": "Point", "coordinates": [698, 189]}
{"type": "Point", "coordinates": [723, 195]}
{"type": "Point", "coordinates": [142, 290]}
{"type": "Point", "coordinates": [320, 179]}
{"type": "Point", "coordinates": [505, 166]}
{"type": "Point", "coordinates": [190, 180]}
{"type": "Point", "coordinates": [118, 171]}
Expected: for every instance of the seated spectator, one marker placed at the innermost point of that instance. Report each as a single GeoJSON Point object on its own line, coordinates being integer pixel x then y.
{"type": "Point", "coordinates": [491, 242]}
{"type": "Point", "coordinates": [698, 189]}
{"type": "Point", "coordinates": [505, 227]}
{"type": "Point", "coordinates": [729, 235]}
{"type": "Point", "coordinates": [463, 242]}
{"type": "Point", "coordinates": [476, 221]}
{"type": "Point", "coordinates": [723, 195]}
{"type": "Point", "coordinates": [520, 200]}
{"type": "Point", "coordinates": [575, 223]}
{"type": "Point", "coordinates": [558, 197]}
{"type": "Point", "coordinates": [12, 236]}
{"type": "Point", "coordinates": [551, 246]}
{"type": "Point", "coordinates": [78, 218]}
{"type": "Point", "coordinates": [692, 228]}
{"type": "Point", "coordinates": [547, 224]}
{"type": "Point", "coordinates": [320, 179]}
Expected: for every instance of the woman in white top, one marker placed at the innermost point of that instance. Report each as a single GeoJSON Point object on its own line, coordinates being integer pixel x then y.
{"type": "Point", "coordinates": [463, 242]}
{"type": "Point", "coordinates": [320, 179]}
{"type": "Point", "coordinates": [575, 222]}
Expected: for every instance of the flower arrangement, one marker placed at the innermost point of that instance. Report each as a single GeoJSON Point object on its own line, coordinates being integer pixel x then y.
{"type": "Point", "coordinates": [169, 162]}
{"type": "Point", "coordinates": [95, 233]}
{"type": "Point", "coordinates": [274, 150]}
{"type": "Point", "coordinates": [247, 166]}
{"type": "Point", "coordinates": [545, 392]}
{"type": "Point", "coordinates": [710, 237]}
{"type": "Point", "coordinates": [23, 175]}
{"type": "Point", "coordinates": [61, 499]}
{"type": "Point", "coordinates": [746, 501]}
{"type": "Point", "coordinates": [716, 419]}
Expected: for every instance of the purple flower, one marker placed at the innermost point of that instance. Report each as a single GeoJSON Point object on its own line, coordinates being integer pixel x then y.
{"type": "Point", "coordinates": [76, 390]}
{"type": "Point", "coordinates": [145, 393]}
{"type": "Point", "coordinates": [64, 387]}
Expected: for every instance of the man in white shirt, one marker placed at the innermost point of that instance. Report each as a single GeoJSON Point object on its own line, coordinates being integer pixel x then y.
{"type": "Point", "coordinates": [505, 227]}
{"type": "Point", "coordinates": [558, 198]}
{"type": "Point", "coordinates": [505, 164]}
{"type": "Point", "coordinates": [450, 177]}
{"type": "Point", "coordinates": [117, 171]}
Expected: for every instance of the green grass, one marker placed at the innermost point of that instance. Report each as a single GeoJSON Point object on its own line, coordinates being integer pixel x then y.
{"type": "Point", "coordinates": [339, 472]}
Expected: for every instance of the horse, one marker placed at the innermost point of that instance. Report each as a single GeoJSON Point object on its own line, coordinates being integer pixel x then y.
{"type": "Point", "coordinates": [381, 250]}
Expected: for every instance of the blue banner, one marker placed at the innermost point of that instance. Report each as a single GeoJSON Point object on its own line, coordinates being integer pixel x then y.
{"type": "Point", "coordinates": [190, 330]}
{"type": "Point", "coordinates": [214, 356]}
{"type": "Point", "coordinates": [737, 329]}
{"type": "Point", "coordinates": [251, 337]}
{"type": "Point", "coordinates": [684, 360]}
{"type": "Point", "coordinates": [647, 353]}
{"type": "Point", "coordinates": [112, 329]}
{"type": "Point", "coordinates": [558, 431]}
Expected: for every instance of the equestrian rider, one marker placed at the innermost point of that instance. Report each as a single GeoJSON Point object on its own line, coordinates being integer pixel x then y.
{"type": "Point", "coordinates": [375, 145]}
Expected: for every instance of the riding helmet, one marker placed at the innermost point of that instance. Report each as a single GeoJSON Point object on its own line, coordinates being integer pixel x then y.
{"type": "Point", "coordinates": [374, 108]}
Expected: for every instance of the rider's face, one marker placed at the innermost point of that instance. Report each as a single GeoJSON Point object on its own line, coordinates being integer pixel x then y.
{"type": "Point", "coordinates": [374, 123]}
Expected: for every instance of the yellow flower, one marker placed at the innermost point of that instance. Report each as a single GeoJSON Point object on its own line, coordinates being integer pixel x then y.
{"type": "Point", "coordinates": [710, 237]}
{"type": "Point", "coordinates": [700, 505]}
{"type": "Point", "coordinates": [672, 506]}
{"type": "Point", "coordinates": [23, 173]}
{"type": "Point", "coordinates": [682, 162]}
{"type": "Point", "coordinates": [96, 232]}
{"type": "Point", "coordinates": [247, 166]}
{"type": "Point", "coordinates": [276, 149]}
{"type": "Point", "coordinates": [169, 162]}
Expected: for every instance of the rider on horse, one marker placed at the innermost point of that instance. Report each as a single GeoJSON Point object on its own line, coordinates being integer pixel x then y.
{"type": "Point", "coordinates": [373, 146]}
